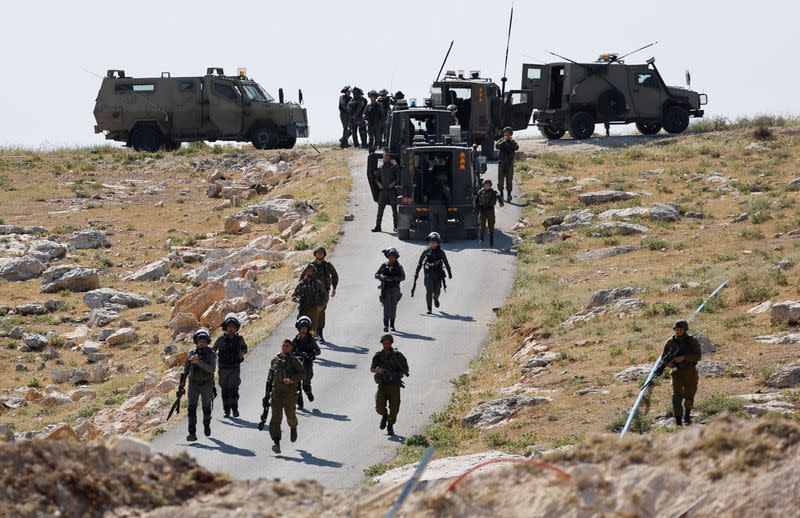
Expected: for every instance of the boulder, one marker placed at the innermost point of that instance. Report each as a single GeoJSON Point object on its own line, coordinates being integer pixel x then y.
{"type": "Point", "coordinates": [126, 445]}
{"type": "Point", "coordinates": [198, 300]}
{"type": "Point", "coordinates": [620, 227]}
{"type": "Point", "coordinates": [184, 323]}
{"type": "Point", "coordinates": [151, 272]}
{"type": "Point", "coordinates": [122, 336]}
{"type": "Point", "coordinates": [173, 360]}
{"type": "Point", "coordinates": [46, 250]}
{"type": "Point", "coordinates": [780, 339]}
{"type": "Point", "coordinates": [82, 331]}
{"type": "Point", "coordinates": [272, 210]}
{"type": "Point", "coordinates": [634, 373]}
{"type": "Point", "coordinates": [215, 314]}
{"type": "Point", "coordinates": [34, 341]}
{"type": "Point", "coordinates": [444, 468]}
{"type": "Point", "coordinates": [780, 407]}
{"type": "Point", "coordinates": [80, 393]}
{"type": "Point", "coordinates": [606, 196]}
{"type": "Point", "coordinates": [87, 239]}
{"type": "Point", "coordinates": [20, 268]}
{"type": "Point", "coordinates": [786, 312]}
{"type": "Point", "coordinates": [761, 308]}
{"type": "Point", "coordinates": [711, 368]}
{"type": "Point", "coordinates": [548, 237]}
{"type": "Point", "coordinates": [494, 412]}
{"type": "Point", "coordinates": [102, 296]}
{"type": "Point", "coordinates": [602, 297]}
{"type": "Point", "coordinates": [70, 277]}
{"type": "Point", "coordinates": [632, 212]}
{"type": "Point", "coordinates": [55, 398]}
{"type": "Point", "coordinates": [100, 317]}
{"type": "Point", "coordinates": [54, 304]}
{"type": "Point", "coordinates": [63, 433]}
{"type": "Point", "coordinates": [664, 212]}
{"type": "Point", "coordinates": [580, 217]}
{"type": "Point", "coordinates": [787, 376]}
{"type": "Point", "coordinates": [17, 229]}
{"type": "Point", "coordinates": [542, 359]}
{"type": "Point", "coordinates": [31, 308]}
{"type": "Point", "coordinates": [148, 315]}
{"type": "Point", "coordinates": [552, 220]}
{"type": "Point", "coordinates": [240, 288]}
{"type": "Point", "coordinates": [602, 253]}
{"type": "Point", "coordinates": [706, 345]}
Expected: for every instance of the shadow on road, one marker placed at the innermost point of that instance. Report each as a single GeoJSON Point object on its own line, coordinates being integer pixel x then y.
{"type": "Point", "coordinates": [325, 415]}
{"type": "Point", "coordinates": [324, 362]}
{"type": "Point", "coordinates": [237, 422]}
{"type": "Point", "coordinates": [462, 318]}
{"type": "Point", "coordinates": [414, 336]}
{"type": "Point", "coordinates": [341, 349]}
{"type": "Point", "coordinates": [396, 438]}
{"type": "Point", "coordinates": [307, 458]}
{"type": "Point", "coordinates": [223, 447]}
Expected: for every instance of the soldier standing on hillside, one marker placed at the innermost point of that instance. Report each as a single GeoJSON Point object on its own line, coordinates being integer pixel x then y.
{"type": "Point", "coordinates": [374, 114]}
{"type": "Point", "coordinates": [230, 349]}
{"type": "Point", "coordinates": [386, 177]}
{"type": "Point", "coordinates": [199, 368]}
{"type": "Point", "coordinates": [485, 201]}
{"type": "Point", "coordinates": [344, 116]}
{"type": "Point", "coordinates": [391, 274]}
{"type": "Point", "coordinates": [389, 366]}
{"type": "Point", "coordinates": [327, 274]}
{"type": "Point", "coordinates": [507, 147]}
{"type": "Point", "coordinates": [434, 261]}
{"type": "Point", "coordinates": [356, 110]}
{"type": "Point", "coordinates": [285, 372]}
{"type": "Point", "coordinates": [311, 295]}
{"type": "Point", "coordinates": [307, 350]}
{"type": "Point", "coordinates": [685, 352]}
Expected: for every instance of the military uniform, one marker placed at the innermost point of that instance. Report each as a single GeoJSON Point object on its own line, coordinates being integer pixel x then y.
{"type": "Point", "coordinates": [434, 261]}
{"type": "Point", "coordinates": [386, 102]}
{"type": "Point", "coordinates": [355, 109]}
{"type": "Point", "coordinates": [374, 114]}
{"type": "Point", "coordinates": [390, 290]}
{"type": "Point", "coordinates": [684, 374]}
{"type": "Point", "coordinates": [438, 198]}
{"type": "Point", "coordinates": [344, 116]}
{"type": "Point", "coordinates": [306, 350]}
{"type": "Point", "coordinates": [389, 384]}
{"type": "Point", "coordinates": [229, 351]}
{"type": "Point", "coordinates": [284, 396]}
{"type": "Point", "coordinates": [329, 277]}
{"type": "Point", "coordinates": [201, 386]}
{"type": "Point", "coordinates": [387, 175]}
{"type": "Point", "coordinates": [505, 166]}
{"type": "Point", "coordinates": [311, 295]}
{"type": "Point", "coordinates": [485, 201]}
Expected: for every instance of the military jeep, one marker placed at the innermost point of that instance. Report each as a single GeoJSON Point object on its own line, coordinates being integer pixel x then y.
{"type": "Point", "coordinates": [151, 113]}
{"type": "Point", "coordinates": [571, 96]}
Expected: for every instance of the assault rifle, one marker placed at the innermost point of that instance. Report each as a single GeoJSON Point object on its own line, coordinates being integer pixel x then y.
{"type": "Point", "coordinates": [176, 406]}
{"type": "Point", "coordinates": [666, 359]}
{"type": "Point", "coordinates": [265, 404]}
{"type": "Point", "coordinates": [391, 374]}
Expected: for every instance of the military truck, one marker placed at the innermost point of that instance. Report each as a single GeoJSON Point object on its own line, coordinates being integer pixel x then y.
{"type": "Point", "coordinates": [481, 109]}
{"type": "Point", "coordinates": [151, 113]}
{"type": "Point", "coordinates": [571, 96]}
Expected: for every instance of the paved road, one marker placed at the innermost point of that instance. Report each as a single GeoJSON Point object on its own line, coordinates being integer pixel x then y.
{"type": "Point", "coordinates": [338, 432]}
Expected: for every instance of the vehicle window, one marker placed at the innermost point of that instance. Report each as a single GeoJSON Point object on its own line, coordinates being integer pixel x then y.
{"type": "Point", "coordinates": [519, 98]}
{"type": "Point", "coordinates": [432, 175]}
{"type": "Point", "coordinates": [134, 87]}
{"type": "Point", "coordinates": [226, 91]}
{"type": "Point", "coordinates": [645, 80]}
{"type": "Point", "coordinates": [534, 73]}
{"type": "Point", "coordinates": [253, 93]}
{"type": "Point", "coordinates": [186, 85]}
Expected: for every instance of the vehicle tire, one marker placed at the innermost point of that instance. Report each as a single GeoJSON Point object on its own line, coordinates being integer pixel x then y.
{"type": "Point", "coordinates": [552, 132]}
{"type": "Point", "coordinates": [650, 127]}
{"type": "Point", "coordinates": [676, 119]}
{"type": "Point", "coordinates": [147, 139]}
{"type": "Point", "coordinates": [288, 142]}
{"type": "Point", "coordinates": [471, 234]}
{"type": "Point", "coordinates": [264, 137]}
{"type": "Point", "coordinates": [403, 234]}
{"type": "Point", "coordinates": [581, 125]}
{"type": "Point", "coordinates": [171, 145]}
{"type": "Point", "coordinates": [611, 104]}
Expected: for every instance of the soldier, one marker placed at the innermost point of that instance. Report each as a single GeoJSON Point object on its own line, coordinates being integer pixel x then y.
{"type": "Point", "coordinates": [199, 368]}
{"type": "Point", "coordinates": [344, 116]}
{"type": "Point", "coordinates": [306, 349]}
{"type": "Point", "coordinates": [391, 274]}
{"type": "Point", "coordinates": [329, 277]}
{"type": "Point", "coordinates": [439, 198]}
{"type": "Point", "coordinates": [434, 260]}
{"type": "Point", "coordinates": [230, 348]}
{"type": "Point", "coordinates": [389, 366]}
{"type": "Point", "coordinates": [507, 146]}
{"type": "Point", "coordinates": [386, 177]}
{"type": "Point", "coordinates": [355, 109]}
{"type": "Point", "coordinates": [386, 102]}
{"type": "Point", "coordinates": [374, 114]}
{"type": "Point", "coordinates": [310, 294]}
{"type": "Point", "coordinates": [485, 201]}
{"type": "Point", "coordinates": [400, 102]}
{"type": "Point", "coordinates": [686, 352]}
{"type": "Point", "coordinates": [285, 372]}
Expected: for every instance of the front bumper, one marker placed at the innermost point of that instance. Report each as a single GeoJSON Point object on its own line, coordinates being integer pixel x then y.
{"type": "Point", "coordinates": [299, 130]}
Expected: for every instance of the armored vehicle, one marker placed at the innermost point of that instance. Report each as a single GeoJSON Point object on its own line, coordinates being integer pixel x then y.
{"type": "Point", "coordinates": [405, 126]}
{"type": "Point", "coordinates": [481, 109]}
{"type": "Point", "coordinates": [571, 96]}
{"type": "Point", "coordinates": [161, 112]}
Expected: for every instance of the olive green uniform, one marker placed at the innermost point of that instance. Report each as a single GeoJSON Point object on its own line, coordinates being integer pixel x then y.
{"type": "Point", "coordinates": [327, 274]}
{"type": "Point", "coordinates": [485, 201]}
{"type": "Point", "coordinates": [284, 396]}
{"type": "Point", "coordinates": [389, 384]}
{"type": "Point", "coordinates": [505, 166]}
{"type": "Point", "coordinates": [311, 295]}
{"type": "Point", "coordinates": [684, 375]}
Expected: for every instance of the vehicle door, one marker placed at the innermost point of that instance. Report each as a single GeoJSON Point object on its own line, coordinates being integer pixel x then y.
{"type": "Point", "coordinates": [535, 79]}
{"type": "Point", "coordinates": [645, 92]}
{"type": "Point", "coordinates": [187, 115]}
{"type": "Point", "coordinates": [517, 109]}
{"type": "Point", "coordinates": [224, 105]}
{"type": "Point", "coordinates": [480, 118]}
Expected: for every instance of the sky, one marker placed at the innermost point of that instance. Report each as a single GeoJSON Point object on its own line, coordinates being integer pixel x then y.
{"type": "Point", "coordinates": [741, 53]}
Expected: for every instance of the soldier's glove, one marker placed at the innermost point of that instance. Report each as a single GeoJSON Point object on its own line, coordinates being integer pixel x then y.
{"type": "Point", "coordinates": [180, 392]}
{"type": "Point", "coordinates": [265, 402]}
{"type": "Point", "coordinates": [449, 275]}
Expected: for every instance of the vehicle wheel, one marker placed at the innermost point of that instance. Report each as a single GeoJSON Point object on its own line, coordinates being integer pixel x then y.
{"type": "Point", "coordinates": [552, 132]}
{"type": "Point", "coordinates": [264, 138]}
{"type": "Point", "coordinates": [648, 127]}
{"type": "Point", "coordinates": [288, 142]}
{"type": "Point", "coordinates": [581, 125]}
{"type": "Point", "coordinates": [471, 234]}
{"type": "Point", "coordinates": [403, 234]}
{"type": "Point", "coordinates": [171, 145]}
{"type": "Point", "coordinates": [146, 139]}
{"type": "Point", "coordinates": [611, 103]}
{"type": "Point", "coordinates": [676, 119]}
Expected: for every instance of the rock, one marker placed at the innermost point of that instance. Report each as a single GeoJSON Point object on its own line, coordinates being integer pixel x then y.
{"type": "Point", "coordinates": [787, 312]}
{"type": "Point", "coordinates": [54, 304]}
{"type": "Point", "coordinates": [79, 332]}
{"type": "Point", "coordinates": [198, 300]}
{"type": "Point", "coordinates": [624, 214]}
{"type": "Point", "coordinates": [627, 304]}
{"type": "Point", "coordinates": [123, 336]}
{"type": "Point", "coordinates": [6, 434]}
{"type": "Point", "coordinates": [444, 468]}
{"type": "Point", "coordinates": [787, 376]}
{"type": "Point", "coordinates": [542, 359]}
{"type": "Point", "coordinates": [63, 433]}
{"type": "Point", "coordinates": [706, 345]}
{"type": "Point", "coordinates": [695, 215]}
{"type": "Point", "coordinates": [35, 342]}
{"type": "Point", "coordinates": [785, 264]}
{"type": "Point", "coordinates": [128, 445]}
{"type": "Point", "coordinates": [620, 227]}
{"type": "Point", "coordinates": [31, 308]}
{"type": "Point", "coordinates": [499, 410]}
{"type": "Point", "coordinates": [349, 217]}
{"type": "Point", "coordinates": [184, 323]}
{"type": "Point", "coordinates": [591, 198]}
{"type": "Point", "coordinates": [103, 296]}
{"type": "Point", "coordinates": [100, 317]}
{"type": "Point", "coordinates": [758, 409]}
{"type": "Point", "coordinates": [548, 237]}
{"type": "Point", "coordinates": [715, 177]}
{"type": "Point", "coordinates": [56, 398]}
{"type": "Point", "coordinates": [634, 373]}
{"type": "Point", "coordinates": [780, 339]}
{"type": "Point", "coordinates": [552, 220]}
{"type": "Point", "coordinates": [70, 277]}
{"type": "Point", "coordinates": [272, 211]}
{"type": "Point", "coordinates": [604, 297]}
{"type": "Point", "coordinates": [20, 268]}
{"type": "Point", "coordinates": [756, 147]}
{"type": "Point", "coordinates": [215, 314]}
{"type": "Point", "coordinates": [761, 308]}
{"type": "Point", "coordinates": [89, 238]}
{"type": "Point", "coordinates": [236, 288]}
{"type": "Point", "coordinates": [81, 393]}
{"type": "Point", "coordinates": [581, 217]}
{"type": "Point", "coordinates": [602, 253]}
{"type": "Point", "coordinates": [741, 218]}
{"type": "Point", "coordinates": [20, 368]}
{"type": "Point", "coordinates": [49, 353]}
{"type": "Point", "coordinates": [651, 172]}
{"type": "Point", "coordinates": [151, 272]}
{"type": "Point", "coordinates": [14, 402]}
{"type": "Point", "coordinates": [46, 250]}
{"type": "Point", "coordinates": [235, 226]}
{"type": "Point", "coordinates": [16, 229]}
{"type": "Point", "coordinates": [664, 212]}
{"type": "Point", "coordinates": [711, 368]}
{"type": "Point", "coordinates": [173, 360]}
{"type": "Point", "coordinates": [147, 316]}
{"type": "Point", "coordinates": [60, 375]}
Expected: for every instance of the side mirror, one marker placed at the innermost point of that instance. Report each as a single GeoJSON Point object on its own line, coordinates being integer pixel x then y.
{"type": "Point", "coordinates": [280, 95]}
{"type": "Point", "coordinates": [482, 164]}
{"type": "Point", "coordinates": [300, 96]}
{"type": "Point", "coordinates": [688, 79]}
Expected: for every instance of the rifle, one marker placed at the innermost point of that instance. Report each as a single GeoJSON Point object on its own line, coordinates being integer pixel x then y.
{"type": "Point", "coordinates": [392, 375]}
{"type": "Point", "coordinates": [176, 406]}
{"type": "Point", "coordinates": [265, 404]}
{"type": "Point", "coordinates": [666, 359]}
{"type": "Point", "coordinates": [414, 287]}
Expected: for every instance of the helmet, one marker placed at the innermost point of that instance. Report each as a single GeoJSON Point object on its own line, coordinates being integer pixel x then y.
{"type": "Point", "coordinates": [357, 91]}
{"type": "Point", "coordinates": [345, 89]}
{"type": "Point", "coordinates": [320, 249]}
{"type": "Point", "coordinates": [486, 180]}
{"type": "Point", "coordinates": [310, 266]}
{"type": "Point", "coordinates": [682, 323]}
{"type": "Point", "coordinates": [434, 236]}
{"type": "Point", "coordinates": [387, 337]}
{"type": "Point", "coordinates": [231, 318]}
{"type": "Point", "coordinates": [201, 333]}
{"type": "Point", "coordinates": [372, 92]}
{"type": "Point", "coordinates": [383, 91]}
{"type": "Point", "coordinates": [391, 251]}
{"type": "Point", "coordinates": [509, 129]}
{"type": "Point", "coordinates": [303, 321]}
{"type": "Point", "coordinates": [399, 95]}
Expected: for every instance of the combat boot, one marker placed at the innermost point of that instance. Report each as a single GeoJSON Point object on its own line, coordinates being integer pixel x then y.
{"type": "Point", "coordinates": [687, 417]}
{"type": "Point", "coordinates": [376, 229]}
{"type": "Point", "coordinates": [390, 429]}
{"type": "Point", "coordinates": [391, 325]}
{"type": "Point", "coordinates": [191, 437]}
{"type": "Point", "coordinates": [678, 420]}
{"type": "Point", "coordinates": [491, 240]}
{"type": "Point", "coordinates": [385, 326]}
{"type": "Point", "coordinates": [384, 419]}
{"type": "Point", "coordinates": [309, 394]}
{"type": "Point", "coordinates": [207, 429]}
{"type": "Point", "coordinates": [227, 410]}
{"type": "Point", "coordinates": [235, 411]}
{"type": "Point", "coordinates": [276, 447]}
{"type": "Point", "coordinates": [436, 302]}
{"type": "Point", "coordinates": [293, 434]}
{"type": "Point", "coordinates": [319, 336]}
{"type": "Point", "coordinates": [430, 310]}
{"type": "Point", "coordinates": [300, 403]}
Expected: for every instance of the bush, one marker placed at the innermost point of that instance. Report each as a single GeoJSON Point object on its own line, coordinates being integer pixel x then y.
{"type": "Point", "coordinates": [301, 244]}
{"type": "Point", "coordinates": [641, 423]}
{"type": "Point", "coordinates": [718, 402]}
{"type": "Point", "coordinates": [654, 243]}
{"type": "Point", "coordinates": [754, 289]}
{"type": "Point", "coordinates": [763, 133]}
{"type": "Point", "coordinates": [417, 440]}
{"type": "Point", "coordinates": [660, 308]}
{"type": "Point", "coordinates": [376, 470]}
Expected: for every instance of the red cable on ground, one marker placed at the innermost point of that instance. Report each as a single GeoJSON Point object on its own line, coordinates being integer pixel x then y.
{"type": "Point", "coordinates": [539, 464]}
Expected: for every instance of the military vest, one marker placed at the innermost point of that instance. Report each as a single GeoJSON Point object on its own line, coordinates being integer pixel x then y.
{"type": "Point", "coordinates": [282, 368]}
{"type": "Point", "coordinates": [197, 374]}
{"type": "Point", "coordinates": [486, 198]}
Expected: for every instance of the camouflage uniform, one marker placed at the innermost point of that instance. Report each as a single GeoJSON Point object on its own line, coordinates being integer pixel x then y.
{"type": "Point", "coordinates": [229, 354]}
{"type": "Point", "coordinates": [284, 396]}
{"type": "Point", "coordinates": [201, 385]}
{"type": "Point", "coordinates": [357, 124]}
{"type": "Point", "coordinates": [387, 175]}
{"type": "Point", "coordinates": [684, 374]}
{"type": "Point", "coordinates": [374, 114]}
{"type": "Point", "coordinates": [311, 295]}
{"type": "Point", "coordinates": [434, 260]}
{"type": "Point", "coordinates": [390, 290]}
{"type": "Point", "coordinates": [389, 385]}
{"type": "Point", "coordinates": [329, 277]}
{"type": "Point", "coordinates": [505, 166]}
{"type": "Point", "coordinates": [485, 201]}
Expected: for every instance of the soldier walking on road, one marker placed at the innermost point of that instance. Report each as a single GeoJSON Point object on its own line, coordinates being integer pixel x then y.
{"type": "Point", "coordinates": [485, 201]}
{"type": "Point", "coordinates": [199, 368]}
{"type": "Point", "coordinates": [356, 110]}
{"type": "Point", "coordinates": [374, 114]}
{"type": "Point", "coordinates": [230, 349]}
{"type": "Point", "coordinates": [344, 116]}
{"type": "Point", "coordinates": [386, 177]}
{"type": "Point", "coordinates": [311, 295]}
{"type": "Point", "coordinates": [686, 352]}
{"type": "Point", "coordinates": [306, 349]}
{"type": "Point", "coordinates": [327, 274]}
{"type": "Point", "coordinates": [434, 261]}
{"type": "Point", "coordinates": [507, 147]}
{"type": "Point", "coordinates": [391, 274]}
{"type": "Point", "coordinates": [285, 373]}
{"type": "Point", "coordinates": [389, 366]}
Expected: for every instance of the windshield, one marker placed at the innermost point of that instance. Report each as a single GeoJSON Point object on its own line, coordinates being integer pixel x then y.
{"type": "Point", "coordinates": [254, 92]}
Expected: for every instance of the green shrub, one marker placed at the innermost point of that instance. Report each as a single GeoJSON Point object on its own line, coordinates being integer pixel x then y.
{"type": "Point", "coordinates": [654, 243]}
{"type": "Point", "coordinates": [718, 402]}
{"type": "Point", "coordinates": [661, 308]}
{"type": "Point", "coordinates": [300, 244]}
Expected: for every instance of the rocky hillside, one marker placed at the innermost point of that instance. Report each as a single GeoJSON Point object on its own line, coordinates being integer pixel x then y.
{"type": "Point", "coordinates": [109, 259]}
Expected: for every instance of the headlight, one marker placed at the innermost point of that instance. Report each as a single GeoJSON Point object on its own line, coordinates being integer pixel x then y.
{"type": "Point", "coordinates": [703, 99]}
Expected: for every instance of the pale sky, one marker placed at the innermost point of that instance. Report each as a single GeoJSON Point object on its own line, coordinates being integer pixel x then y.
{"type": "Point", "coordinates": [741, 53]}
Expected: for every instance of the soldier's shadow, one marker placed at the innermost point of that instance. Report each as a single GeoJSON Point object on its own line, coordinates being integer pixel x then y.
{"type": "Point", "coordinates": [341, 349]}
{"type": "Point", "coordinates": [414, 336]}
{"type": "Point", "coordinates": [324, 362]}
{"type": "Point", "coordinates": [325, 415]}
{"type": "Point", "coordinates": [308, 458]}
{"type": "Point", "coordinates": [223, 447]}
{"type": "Point", "coordinates": [397, 438]}
{"type": "Point", "coordinates": [462, 318]}
{"type": "Point", "coordinates": [237, 422]}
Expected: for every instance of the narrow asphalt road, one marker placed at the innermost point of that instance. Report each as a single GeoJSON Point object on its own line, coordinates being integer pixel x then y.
{"type": "Point", "coordinates": [338, 432]}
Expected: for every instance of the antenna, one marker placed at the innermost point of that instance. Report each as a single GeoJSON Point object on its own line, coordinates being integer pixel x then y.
{"type": "Point", "coordinates": [445, 60]}
{"type": "Point", "coordinates": [508, 43]}
{"type": "Point", "coordinates": [637, 50]}
{"type": "Point", "coordinates": [562, 57]}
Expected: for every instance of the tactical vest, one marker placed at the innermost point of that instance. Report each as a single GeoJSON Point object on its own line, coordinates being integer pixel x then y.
{"type": "Point", "coordinates": [197, 374]}
{"type": "Point", "coordinates": [486, 199]}
{"type": "Point", "coordinates": [280, 369]}
{"type": "Point", "coordinates": [228, 351]}
{"type": "Point", "coordinates": [433, 262]}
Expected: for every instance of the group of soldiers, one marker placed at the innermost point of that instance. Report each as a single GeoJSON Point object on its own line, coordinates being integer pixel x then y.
{"type": "Point", "coordinates": [365, 117]}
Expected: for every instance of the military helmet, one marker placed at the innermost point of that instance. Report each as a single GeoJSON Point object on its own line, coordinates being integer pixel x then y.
{"type": "Point", "coordinates": [683, 324]}
{"type": "Point", "coordinates": [231, 318]}
{"type": "Point", "coordinates": [321, 249]}
{"type": "Point", "coordinates": [303, 321]}
{"type": "Point", "coordinates": [201, 333]}
{"type": "Point", "coordinates": [509, 129]}
{"type": "Point", "coordinates": [387, 337]}
{"type": "Point", "coordinates": [391, 251]}
{"type": "Point", "coordinates": [383, 91]}
{"type": "Point", "coordinates": [399, 95]}
{"type": "Point", "coordinates": [310, 266]}
{"type": "Point", "coordinates": [372, 92]}
{"type": "Point", "coordinates": [345, 89]}
{"type": "Point", "coordinates": [357, 91]}
{"type": "Point", "coordinates": [434, 236]}
{"type": "Point", "coordinates": [486, 180]}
